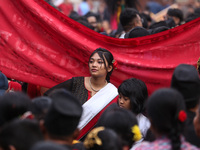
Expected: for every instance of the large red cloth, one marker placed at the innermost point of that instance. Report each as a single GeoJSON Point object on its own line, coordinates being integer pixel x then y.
{"type": "Point", "coordinates": [40, 45]}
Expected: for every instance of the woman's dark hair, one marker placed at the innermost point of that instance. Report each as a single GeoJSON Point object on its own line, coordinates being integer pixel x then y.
{"type": "Point", "coordinates": [163, 108]}
{"type": "Point", "coordinates": [105, 55]}
{"type": "Point", "coordinates": [136, 91]}
{"type": "Point", "coordinates": [108, 139]}
{"type": "Point", "coordinates": [121, 121]}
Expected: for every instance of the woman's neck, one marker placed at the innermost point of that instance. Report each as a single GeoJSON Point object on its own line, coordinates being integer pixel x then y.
{"type": "Point", "coordinates": [95, 84]}
{"type": "Point", "coordinates": [98, 82]}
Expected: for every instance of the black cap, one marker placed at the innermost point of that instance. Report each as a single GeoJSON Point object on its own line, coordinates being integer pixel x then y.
{"type": "Point", "coordinates": [136, 32]}
{"type": "Point", "coordinates": [186, 80]}
{"type": "Point", "coordinates": [64, 113]}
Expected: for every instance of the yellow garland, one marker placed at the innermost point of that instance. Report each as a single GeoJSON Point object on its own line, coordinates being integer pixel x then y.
{"type": "Point", "coordinates": [137, 134]}
{"type": "Point", "coordinates": [92, 138]}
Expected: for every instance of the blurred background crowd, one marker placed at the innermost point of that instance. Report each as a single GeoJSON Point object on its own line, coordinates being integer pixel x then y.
{"type": "Point", "coordinates": [103, 16]}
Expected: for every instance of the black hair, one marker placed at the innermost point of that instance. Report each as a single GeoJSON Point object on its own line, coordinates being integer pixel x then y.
{"type": "Point", "coordinates": [22, 134]}
{"type": "Point", "coordinates": [136, 91]}
{"type": "Point", "coordinates": [146, 18]}
{"type": "Point", "coordinates": [121, 121]}
{"type": "Point", "coordinates": [40, 106]}
{"type": "Point", "coordinates": [136, 32]}
{"type": "Point", "coordinates": [83, 20]}
{"type": "Point", "coordinates": [163, 108]}
{"type": "Point", "coordinates": [158, 24]}
{"type": "Point", "coordinates": [108, 138]}
{"type": "Point", "coordinates": [127, 18]}
{"type": "Point", "coordinates": [13, 105]}
{"type": "Point", "coordinates": [105, 55]}
{"type": "Point", "coordinates": [89, 14]}
{"type": "Point", "coordinates": [158, 29]}
{"type": "Point", "coordinates": [175, 13]}
{"type": "Point", "coordinates": [74, 15]}
{"type": "Point", "coordinates": [191, 17]}
{"type": "Point", "coordinates": [197, 11]}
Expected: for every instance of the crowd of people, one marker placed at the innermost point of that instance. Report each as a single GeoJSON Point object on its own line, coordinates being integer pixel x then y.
{"type": "Point", "coordinates": [89, 112]}
{"type": "Point", "coordinates": [116, 17]}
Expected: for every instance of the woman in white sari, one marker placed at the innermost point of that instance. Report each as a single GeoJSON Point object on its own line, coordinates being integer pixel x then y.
{"type": "Point", "coordinates": [96, 92]}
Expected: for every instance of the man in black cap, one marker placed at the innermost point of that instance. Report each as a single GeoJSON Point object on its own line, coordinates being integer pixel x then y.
{"type": "Point", "coordinates": [61, 121]}
{"type": "Point", "coordinates": [186, 80]}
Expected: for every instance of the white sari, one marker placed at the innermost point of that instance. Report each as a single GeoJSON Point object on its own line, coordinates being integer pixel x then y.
{"type": "Point", "coordinates": [96, 103]}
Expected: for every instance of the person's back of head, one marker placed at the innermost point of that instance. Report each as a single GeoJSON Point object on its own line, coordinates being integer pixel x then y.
{"type": "Point", "coordinates": [63, 115]}
{"type": "Point", "coordinates": [83, 20]}
{"type": "Point", "coordinates": [186, 80]}
{"type": "Point", "coordinates": [176, 14]}
{"type": "Point", "coordinates": [158, 24]}
{"type": "Point", "coordinates": [13, 105]}
{"type": "Point", "coordinates": [101, 138]}
{"type": "Point", "coordinates": [146, 20]}
{"type": "Point", "coordinates": [129, 18]}
{"type": "Point", "coordinates": [191, 17]}
{"type": "Point", "coordinates": [197, 11]}
{"type": "Point", "coordinates": [40, 106]}
{"type": "Point", "coordinates": [166, 111]}
{"type": "Point", "coordinates": [136, 32]}
{"type": "Point", "coordinates": [3, 83]}
{"type": "Point", "coordinates": [124, 123]}
{"type": "Point", "coordinates": [47, 145]}
{"type": "Point", "coordinates": [158, 30]}
{"type": "Point", "coordinates": [20, 134]}
{"type": "Point", "coordinates": [136, 91]}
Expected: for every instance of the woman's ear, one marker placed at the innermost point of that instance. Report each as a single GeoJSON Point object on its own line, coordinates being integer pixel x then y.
{"type": "Point", "coordinates": [110, 68]}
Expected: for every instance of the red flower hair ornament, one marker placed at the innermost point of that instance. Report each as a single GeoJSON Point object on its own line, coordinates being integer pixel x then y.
{"type": "Point", "coordinates": [114, 62]}
{"type": "Point", "coordinates": [182, 116]}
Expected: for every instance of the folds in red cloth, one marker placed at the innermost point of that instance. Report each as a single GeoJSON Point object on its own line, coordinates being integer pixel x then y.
{"type": "Point", "coordinates": [40, 45]}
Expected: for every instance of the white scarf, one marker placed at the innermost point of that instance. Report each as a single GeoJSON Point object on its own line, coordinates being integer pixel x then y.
{"type": "Point", "coordinates": [96, 103]}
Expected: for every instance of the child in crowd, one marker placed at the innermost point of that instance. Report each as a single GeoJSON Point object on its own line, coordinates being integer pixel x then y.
{"type": "Point", "coordinates": [124, 123]}
{"type": "Point", "coordinates": [101, 138]}
{"type": "Point", "coordinates": [132, 96]}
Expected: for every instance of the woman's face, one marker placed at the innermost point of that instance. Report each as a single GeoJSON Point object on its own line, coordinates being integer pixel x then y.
{"type": "Point", "coordinates": [124, 102]}
{"type": "Point", "coordinates": [97, 67]}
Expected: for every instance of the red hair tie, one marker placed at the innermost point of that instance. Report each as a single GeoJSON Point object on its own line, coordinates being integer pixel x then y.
{"type": "Point", "coordinates": [114, 62]}
{"type": "Point", "coordinates": [182, 116]}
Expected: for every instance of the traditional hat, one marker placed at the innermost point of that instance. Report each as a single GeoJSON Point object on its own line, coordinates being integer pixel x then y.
{"type": "Point", "coordinates": [64, 113]}
{"type": "Point", "coordinates": [186, 80]}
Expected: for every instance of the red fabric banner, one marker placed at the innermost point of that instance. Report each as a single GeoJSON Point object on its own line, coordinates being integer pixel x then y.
{"type": "Point", "coordinates": [40, 45]}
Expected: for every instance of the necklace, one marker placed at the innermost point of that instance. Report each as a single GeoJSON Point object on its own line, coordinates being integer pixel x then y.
{"type": "Point", "coordinates": [92, 87]}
